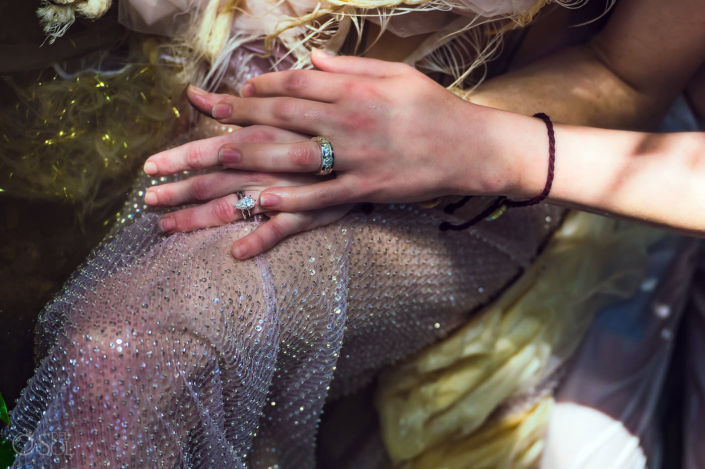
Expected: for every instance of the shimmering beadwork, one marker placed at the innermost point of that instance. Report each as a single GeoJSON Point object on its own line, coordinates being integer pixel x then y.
{"type": "Point", "coordinates": [166, 349]}
{"type": "Point", "coordinates": [166, 352]}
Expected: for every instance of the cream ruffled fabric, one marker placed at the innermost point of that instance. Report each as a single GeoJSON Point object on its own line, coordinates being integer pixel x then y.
{"type": "Point", "coordinates": [218, 27]}
{"type": "Point", "coordinates": [262, 16]}
{"type": "Point", "coordinates": [434, 409]}
{"type": "Point", "coordinates": [57, 16]}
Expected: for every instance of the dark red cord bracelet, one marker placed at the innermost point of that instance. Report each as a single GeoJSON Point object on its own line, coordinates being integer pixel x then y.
{"type": "Point", "coordinates": [500, 205]}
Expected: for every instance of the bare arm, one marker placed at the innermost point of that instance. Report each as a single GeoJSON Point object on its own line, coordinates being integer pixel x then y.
{"type": "Point", "coordinates": [658, 179]}
{"type": "Point", "coordinates": [400, 137]}
{"type": "Point", "coordinates": [626, 77]}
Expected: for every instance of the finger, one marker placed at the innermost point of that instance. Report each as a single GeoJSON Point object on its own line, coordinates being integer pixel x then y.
{"type": "Point", "coordinates": [299, 157]}
{"type": "Point", "coordinates": [203, 100]}
{"type": "Point", "coordinates": [316, 196]}
{"type": "Point", "coordinates": [270, 233]}
{"type": "Point", "coordinates": [305, 84]}
{"type": "Point", "coordinates": [198, 189]}
{"type": "Point", "coordinates": [283, 225]}
{"type": "Point", "coordinates": [356, 65]}
{"type": "Point", "coordinates": [309, 117]}
{"type": "Point", "coordinates": [215, 213]}
{"type": "Point", "coordinates": [203, 154]}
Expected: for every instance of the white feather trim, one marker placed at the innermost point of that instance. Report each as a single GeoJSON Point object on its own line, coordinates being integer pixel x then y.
{"type": "Point", "coordinates": [57, 17]}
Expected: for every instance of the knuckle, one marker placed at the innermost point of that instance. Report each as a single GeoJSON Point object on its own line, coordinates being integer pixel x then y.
{"type": "Point", "coordinates": [360, 120]}
{"type": "Point", "coordinates": [361, 91]}
{"type": "Point", "coordinates": [285, 109]}
{"type": "Point", "coordinates": [257, 241]}
{"type": "Point", "coordinates": [296, 81]}
{"type": "Point", "coordinates": [260, 179]}
{"type": "Point", "coordinates": [223, 210]}
{"type": "Point", "coordinates": [195, 157]}
{"type": "Point", "coordinates": [260, 134]}
{"type": "Point", "coordinates": [202, 188]}
{"type": "Point", "coordinates": [353, 88]}
{"type": "Point", "coordinates": [303, 155]}
{"type": "Point", "coordinates": [276, 231]}
{"type": "Point", "coordinates": [324, 197]}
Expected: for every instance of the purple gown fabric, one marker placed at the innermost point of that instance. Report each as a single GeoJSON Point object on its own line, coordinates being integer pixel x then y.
{"type": "Point", "coordinates": [166, 352]}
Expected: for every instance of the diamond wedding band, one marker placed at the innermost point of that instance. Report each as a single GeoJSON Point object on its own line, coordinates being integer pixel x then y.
{"type": "Point", "coordinates": [245, 203]}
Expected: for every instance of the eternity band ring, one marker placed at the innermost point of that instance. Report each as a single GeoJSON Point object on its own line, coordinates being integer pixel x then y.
{"type": "Point", "coordinates": [245, 203]}
{"type": "Point", "coordinates": [328, 158]}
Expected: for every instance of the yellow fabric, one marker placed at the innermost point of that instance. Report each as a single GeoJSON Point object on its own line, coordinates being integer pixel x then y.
{"type": "Point", "coordinates": [81, 139]}
{"type": "Point", "coordinates": [511, 442]}
{"type": "Point", "coordinates": [447, 392]}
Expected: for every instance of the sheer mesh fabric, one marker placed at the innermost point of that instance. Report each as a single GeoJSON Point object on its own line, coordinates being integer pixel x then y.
{"type": "Point", "coordinates": [167, 352]}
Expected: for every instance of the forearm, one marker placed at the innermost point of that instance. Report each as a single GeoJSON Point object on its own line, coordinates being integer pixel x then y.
{"type": "Point", "coordinates": [574, 87]}
{"type": "Point", "coordinates": [657, 179]}
{"type": "Point", "coordinates": [625, 77]}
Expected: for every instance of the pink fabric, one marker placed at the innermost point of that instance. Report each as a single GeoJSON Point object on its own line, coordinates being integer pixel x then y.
{"type": "Point", "coordinates": [166, 352]}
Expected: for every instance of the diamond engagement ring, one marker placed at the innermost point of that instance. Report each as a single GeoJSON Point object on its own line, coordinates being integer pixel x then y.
{"type": "Point", "coordinates": [328, 159]}
{"type": "Point", "coordinates": [245, 203]}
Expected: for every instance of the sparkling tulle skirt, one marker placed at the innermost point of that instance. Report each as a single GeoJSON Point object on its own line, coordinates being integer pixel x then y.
{"type": "Point", "coordinates": [167, 352]}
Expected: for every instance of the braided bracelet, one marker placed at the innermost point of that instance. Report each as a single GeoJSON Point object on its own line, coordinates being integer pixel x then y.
{"type": "Point", "coordinates": [500, 205]}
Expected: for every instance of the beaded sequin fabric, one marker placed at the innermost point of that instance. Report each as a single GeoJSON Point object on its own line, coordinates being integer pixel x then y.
{"type": "Point", "coordinates": [167, 352]}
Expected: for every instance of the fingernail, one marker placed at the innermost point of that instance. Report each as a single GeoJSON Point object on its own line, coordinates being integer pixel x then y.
{"type": "Point", "coordinates": [150, 167]}
{"type": "Point", "coordinates": [240, 251]}
{"type": "Point", "coordinates": [228, 155]}
{"type": "Point", "coordinates": [167, 223]}
{"type": "Point", "coordinates": [197, 90]}
{"type": "Point", "coordinates": [221, 111]}
{"type": "Point", "coordinates": [247, 90]}
{"type": "Point", "coordinates": [150, 198]}
{"type": "Point", "coordinates": [268, 201]}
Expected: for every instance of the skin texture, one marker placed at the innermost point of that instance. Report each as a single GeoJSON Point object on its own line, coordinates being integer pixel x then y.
{"type": "Point", "coordinates": [216, 191]}
{"type": "Point", "coordinates": [657, 179]}
{"type": "Point", "coordinates": [375, 160]}
{"type": "Point", "coordinates": [400, 137]}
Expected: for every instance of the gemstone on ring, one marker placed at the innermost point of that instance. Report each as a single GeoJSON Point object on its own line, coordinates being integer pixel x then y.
{"type": "Point", "coordinates": [328, 156]}
{"type": "Point", "coordinates": [246, 203]}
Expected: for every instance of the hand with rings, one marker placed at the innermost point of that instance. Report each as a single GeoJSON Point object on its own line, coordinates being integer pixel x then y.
{"type": "Point", "coordinates": [229, 195]}
{"type": "Point", "coordinates": [387, 132]}
{"type": "Point", "coordinates": [398, 136]}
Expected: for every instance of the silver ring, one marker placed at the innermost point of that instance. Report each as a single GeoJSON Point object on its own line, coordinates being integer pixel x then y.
{"type": "Point", "coordinates": [328, 156]}
{"type": "Point", "coordinates": [245, 203]}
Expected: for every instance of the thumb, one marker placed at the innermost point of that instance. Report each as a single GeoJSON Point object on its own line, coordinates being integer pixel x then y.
{"type": "Point", "coordinates": [355, 65]}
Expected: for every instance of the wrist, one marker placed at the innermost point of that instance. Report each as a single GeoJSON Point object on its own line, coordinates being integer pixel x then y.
{"type": "Point", "coordinates": [475, 168]}
{"type": "Point", "coordinates": [517, 150]}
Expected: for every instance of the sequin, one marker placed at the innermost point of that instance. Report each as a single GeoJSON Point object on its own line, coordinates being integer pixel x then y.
{"type": "Point", "coordinates": [217, 357]}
